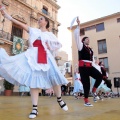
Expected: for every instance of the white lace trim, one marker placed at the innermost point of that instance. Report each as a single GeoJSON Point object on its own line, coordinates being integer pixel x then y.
{"type": "Point", "coordinates": [31, 53]}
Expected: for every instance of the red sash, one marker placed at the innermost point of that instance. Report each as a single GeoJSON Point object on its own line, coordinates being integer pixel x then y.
{"type": "Point", "coordinates": [84, 64]}
{"type": "Point", "coordinates": [42, 56]}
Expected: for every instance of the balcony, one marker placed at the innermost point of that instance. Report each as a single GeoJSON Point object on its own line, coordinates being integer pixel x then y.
{"type": "Point", "coordinates": [7, 37]}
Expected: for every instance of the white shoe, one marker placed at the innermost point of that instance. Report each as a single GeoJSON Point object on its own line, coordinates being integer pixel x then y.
{"type": "Point", "coordinates": [95, 95]}
{"type": "Point", "coordinates": [33, 114]}
{"type": "Point", "coordinates": [101, 98]}
{"type": "Point", "coordinates": [63, 105]}
{"type": "Point", "coordinates": [88, 105]}
{"type": "Point", "coordinates": [65, 108]}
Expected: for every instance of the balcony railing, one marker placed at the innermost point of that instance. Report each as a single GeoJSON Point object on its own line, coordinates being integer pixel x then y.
{"type": "Point", "coordinates": [7, 36]}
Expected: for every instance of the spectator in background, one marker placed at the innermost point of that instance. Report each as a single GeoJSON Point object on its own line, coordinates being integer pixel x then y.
{"type": "Point", "coordinates": [105, 75]}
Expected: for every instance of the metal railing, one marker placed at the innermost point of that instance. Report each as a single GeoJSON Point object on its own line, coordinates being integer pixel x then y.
{"type": "Point", "coordinates": [7, 36]}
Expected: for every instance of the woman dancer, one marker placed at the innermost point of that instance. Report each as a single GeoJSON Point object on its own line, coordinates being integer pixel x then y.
{"type": "Point", "coordinates": [36, 67]}
{"type": "Point", "coordinates": [86, 68]}
{"type": "Point", "coordinates": [78, 87]}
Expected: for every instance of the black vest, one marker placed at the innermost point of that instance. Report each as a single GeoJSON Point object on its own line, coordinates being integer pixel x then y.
{"type": "Point", "coordinates": [85, 54]}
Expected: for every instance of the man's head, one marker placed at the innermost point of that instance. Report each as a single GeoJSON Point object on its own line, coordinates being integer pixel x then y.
{"type": "Point", "coordinates": [85, 40]}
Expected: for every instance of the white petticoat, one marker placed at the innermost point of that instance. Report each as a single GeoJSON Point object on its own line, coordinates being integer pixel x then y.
{"type": "Point", "coordinates": [17, 70]}
{"type": "Point", "coordinates": [23, 88]}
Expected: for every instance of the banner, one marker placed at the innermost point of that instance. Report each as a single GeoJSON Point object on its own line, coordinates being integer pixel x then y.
{"type": "Point", "coordinates": [18, 45]}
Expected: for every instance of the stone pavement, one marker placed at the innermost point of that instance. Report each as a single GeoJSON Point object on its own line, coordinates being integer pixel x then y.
{"type": "Point", "coordinates": [18, 108]}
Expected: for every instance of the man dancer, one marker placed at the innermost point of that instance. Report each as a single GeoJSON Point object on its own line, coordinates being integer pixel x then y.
{"type": "Point", "coordinates": [86, 68]}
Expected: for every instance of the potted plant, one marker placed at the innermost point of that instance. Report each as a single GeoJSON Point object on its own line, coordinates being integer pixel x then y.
{"type": "Point", "coordinates": [8, 88]}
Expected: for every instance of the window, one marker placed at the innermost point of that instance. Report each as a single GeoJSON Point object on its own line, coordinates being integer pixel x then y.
{"type": "Point", "coordinates": [105, 62]}
{"type": "Point", "coordinates": [67, 65]}
{"type": "Point", "coordinates": [82, 32]}
{"type": "Point", "coordinates": [87, 28]}
{"type": "Point", "coordinates": [16, 31]}
{"type": "Point", "coordinates": [118, 20]}
{"type": "Point", "coordinates": [102, 48]}
{"type": "Point", "coordinates": [45, 10]}
{"type": "Point", "coordinates": [66, 70]}
{"type": "Point", "coordinates": [90, 28]}
{"type": "Point", "coordinates": [99, 27]}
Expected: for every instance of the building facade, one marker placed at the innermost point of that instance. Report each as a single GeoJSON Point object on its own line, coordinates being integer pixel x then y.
{"type": "Point", "coordinates": [28, 12]}
{"type": "Point", "coordinates": [64, 65]}
{"type": "Point", "coordinates": [104, 35]}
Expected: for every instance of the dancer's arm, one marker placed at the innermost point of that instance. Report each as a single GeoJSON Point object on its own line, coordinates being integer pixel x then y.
{"type": "Point", "coordinates": [7, 16]}
{"type": "Point", "coordinates": [77, 36]}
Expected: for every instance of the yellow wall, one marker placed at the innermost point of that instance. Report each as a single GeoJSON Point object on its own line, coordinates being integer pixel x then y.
{"type": "Point", "coordinates": [112, 36]}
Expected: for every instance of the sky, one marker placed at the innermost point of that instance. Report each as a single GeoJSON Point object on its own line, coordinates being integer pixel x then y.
{"type": "Point", "coordinates": [86, 10]}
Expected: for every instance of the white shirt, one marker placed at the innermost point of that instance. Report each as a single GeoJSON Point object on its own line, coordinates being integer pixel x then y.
{"type": "Point", "coordinates": [79, 42]}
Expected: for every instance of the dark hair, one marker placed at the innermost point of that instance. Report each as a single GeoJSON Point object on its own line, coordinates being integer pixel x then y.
{"type": "Point", "coordinates": [84, 39]}
{"type": "Point", "coordinates": [47, 20]}
{"type": "Point", "coordinates": [100, 63]}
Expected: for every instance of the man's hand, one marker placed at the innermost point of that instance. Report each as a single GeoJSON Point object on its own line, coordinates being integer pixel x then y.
{"type": "Point", "coordinates": [78, 21]}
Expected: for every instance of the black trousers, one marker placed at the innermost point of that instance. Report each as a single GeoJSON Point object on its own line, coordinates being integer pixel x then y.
{"type": "Point", "coordinates": [85, 73]}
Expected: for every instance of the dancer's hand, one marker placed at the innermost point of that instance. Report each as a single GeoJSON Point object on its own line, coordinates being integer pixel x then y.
{"type": "Point", "coordinates": [78, 21]}
{"type": "Point", "coordinates": [2, 10]}
{"type": "Point", "coordinates": [7, 16]}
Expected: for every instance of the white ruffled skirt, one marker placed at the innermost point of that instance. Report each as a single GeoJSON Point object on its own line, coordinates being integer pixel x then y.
{"type": "Point", "coordinates": [17, 70]}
